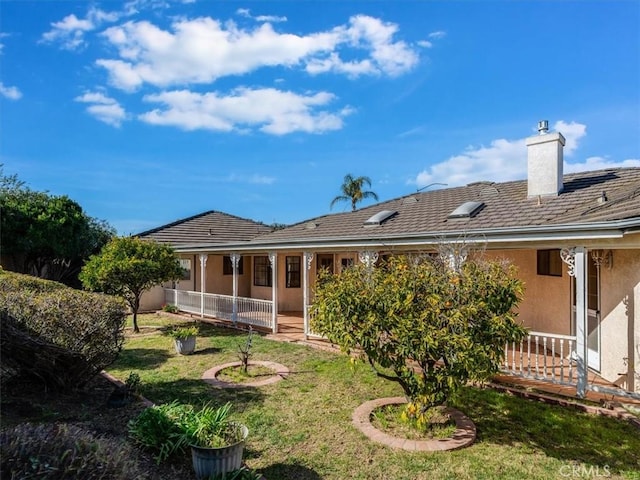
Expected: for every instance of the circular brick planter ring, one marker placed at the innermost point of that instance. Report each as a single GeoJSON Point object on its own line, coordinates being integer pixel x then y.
{"type": "Point", "coordinates": [280, 372]}
{"type": "Point", "coordinates": [464, 435]}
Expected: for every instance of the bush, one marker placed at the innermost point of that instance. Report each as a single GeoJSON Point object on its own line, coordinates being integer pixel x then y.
{"type": "Point", "coordinates": [157, 429]}
{"type": "Point", "coordinates": [421, 322]}
{"type": "Point", "coordinates": [88, 325]}
{"type": "Point", "coordinates": [57, 451]}
{"type": "Point", "coordinates": [170, 428]}
{"type": "Point", "coordinates": [170, 308]}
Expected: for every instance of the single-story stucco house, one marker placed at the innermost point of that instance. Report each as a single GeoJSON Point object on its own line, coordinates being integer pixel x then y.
{"type": "Point", "coordinates": [575, 239]}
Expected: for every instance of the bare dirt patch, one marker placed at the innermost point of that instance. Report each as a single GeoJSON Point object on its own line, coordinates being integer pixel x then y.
{"type": "Point", "coordinates": [26, 401]}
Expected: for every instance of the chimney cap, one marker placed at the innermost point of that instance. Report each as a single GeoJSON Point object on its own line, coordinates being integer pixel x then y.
{"type": "Point", "coordinates": [543, 127]}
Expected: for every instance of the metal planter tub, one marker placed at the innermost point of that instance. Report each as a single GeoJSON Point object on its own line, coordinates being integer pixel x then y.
{"type": "Point", "coordinates": [185, 346]}
{"type": "Point", "coordinates": [216, 461]}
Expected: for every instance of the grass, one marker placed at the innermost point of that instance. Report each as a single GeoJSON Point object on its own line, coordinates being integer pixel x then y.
{"type": "Point", "coordinates": [238, 375]}
{"type": "Point", "coordinates": [300, 428]}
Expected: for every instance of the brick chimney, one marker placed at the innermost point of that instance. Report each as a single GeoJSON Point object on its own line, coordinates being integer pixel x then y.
{"type": "Point", "coordinates": [544, 162]}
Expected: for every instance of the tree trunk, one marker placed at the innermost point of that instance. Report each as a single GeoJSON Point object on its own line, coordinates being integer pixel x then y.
{"type": "Point", "coordinates": [135, 307]}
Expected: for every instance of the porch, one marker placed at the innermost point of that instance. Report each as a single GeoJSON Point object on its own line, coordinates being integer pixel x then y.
{"type": "Point", "coordinates": [246, 311]}
{"type": "Point", "coordinates": [542, 361]}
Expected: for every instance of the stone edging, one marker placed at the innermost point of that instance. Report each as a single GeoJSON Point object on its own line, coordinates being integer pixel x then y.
{"type": "Point", "coordinates": [280, 372]}
{"type": "Point", "coordinates": [464, 435]}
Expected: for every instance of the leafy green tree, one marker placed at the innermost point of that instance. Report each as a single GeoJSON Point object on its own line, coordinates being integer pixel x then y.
{"type": "Point", "coordinates": [352, 191]}
{"type": "Point", "coordinates": [45, 235]}
{"type": "Point", "coordinates": [9, 183]}
{"type": "Point", "coordinates": [421, 323]}
{"type": "Point", "coordinates": [128, 266]}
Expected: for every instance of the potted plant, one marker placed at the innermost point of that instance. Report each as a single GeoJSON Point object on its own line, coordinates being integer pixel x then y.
{"type": "Point", "coordinates": [216, 442]}
{"type": "Point", "coordinates": [184, 339]}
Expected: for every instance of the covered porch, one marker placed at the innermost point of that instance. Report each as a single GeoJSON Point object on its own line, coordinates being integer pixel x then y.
{"type": "Point", "coordinates": [564, 347]}
{"type": "Point", "coordinates": [542, 361]}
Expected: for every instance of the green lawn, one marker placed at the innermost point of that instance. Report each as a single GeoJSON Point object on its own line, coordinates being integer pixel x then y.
{"type": "Point", "coordinates": [300, 428]}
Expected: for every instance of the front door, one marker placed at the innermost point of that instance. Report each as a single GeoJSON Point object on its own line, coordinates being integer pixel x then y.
{"type": "Point", "coordinates": [593, 313]}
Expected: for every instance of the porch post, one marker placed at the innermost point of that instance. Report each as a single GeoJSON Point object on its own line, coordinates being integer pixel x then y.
{"type": "Point", "coordinates": [273, 259]}
{"type": "Point", "coordinates": [175, 293]}
{"type": "Point", "coordinates": [581, 319]}
{"type": "Point", "coordinates": [576, 258]}
{"type": "Point", "coordinates": [368, 257]}
{"type": "Point", "coordinates": [235, 260]}
{"type": "Point", "coordinates": [203, 276]}
{"type": "Point", "coordinates": [307, 258]}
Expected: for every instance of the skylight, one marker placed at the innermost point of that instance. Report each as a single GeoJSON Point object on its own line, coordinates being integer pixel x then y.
{"type": "Point", "coordinates": [380, 217]}
{"type": "Point", "coordinates": [466, 210]}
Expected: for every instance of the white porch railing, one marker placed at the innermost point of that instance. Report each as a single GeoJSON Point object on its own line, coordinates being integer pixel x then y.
{"type": "Point", "coordinates": [542, 356]}
{"type": "Point", "coordinates": [310, 332]}
{"type": "Point", "coordinates": [250, 311]}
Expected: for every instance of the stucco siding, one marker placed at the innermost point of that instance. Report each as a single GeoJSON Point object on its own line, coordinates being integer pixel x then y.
{"type": "Point", "coordinates": [545, 306]}
{"type": "Point", "coordinates": [620, 324]}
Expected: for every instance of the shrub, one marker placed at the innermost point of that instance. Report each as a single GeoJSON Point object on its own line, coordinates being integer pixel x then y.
{"type": "Point", "coordinates": [170, 308]}
{"type": "Point", "coordinates": [88, 325]}
{"type": "Point", "coordinates": [170, 428]}
{"type": "Point", "coordinates": [157, 430]}
{"type": "Point", "coordinates": [57, 451]}
{"type": "Point", "coordinates": [422, 323]}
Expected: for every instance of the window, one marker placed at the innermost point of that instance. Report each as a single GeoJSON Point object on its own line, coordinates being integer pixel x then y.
{"type": "Point", "coordinates": [227, 266]}
{"type": "Point", "coordinates": [549, 263]}
{"type": "Point", "coordinates": [325, 262]}
{"type": "Point", "coordinates": [185, 263]}
{"type": "Point", "coordinates": [346, 263]}
{"type": "Point", "coordinates": [261, 272]}
{"type": "Point", "coordinates": [293, 272]}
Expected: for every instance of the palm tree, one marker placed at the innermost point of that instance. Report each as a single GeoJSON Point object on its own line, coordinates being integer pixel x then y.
{"type": "Point", "coordinates": [352, 191]}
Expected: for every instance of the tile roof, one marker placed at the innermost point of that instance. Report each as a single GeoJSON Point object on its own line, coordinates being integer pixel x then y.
{"type": "Point", "coordinates": [506, 205]}
{"type": "Point", "coordinates": [207, 227]}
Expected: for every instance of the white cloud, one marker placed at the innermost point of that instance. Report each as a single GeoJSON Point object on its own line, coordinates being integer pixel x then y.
{"type": "Point", "coordinates": [103, 108]}
{"type": "Point", "coordinates": [505, 160]}
{"type": "Point", "coordinates": [261, 179]}
{"type": "Point", "coordinates": [572, 133]}
{"type": "Point", "coordinates": [370, 34]}
{"type": "Point", "coordinates": [245, 12]}
{"type": "Point", "coordinates": [70, 31]}
{"type": "Point", "coordinates": [502, 160]}
{"type": "Point", "coordinates": [269, 110]}
{"type": "Point", "coordinates": [599, 163]}
{"type": "Point", "coordinates": [12, 93]}
{"type": "Point", "coordinates": [437, 35]}
{"type": "Point", "coordinates": [2, 35]}
{"type": "Point", "coordinates": [202, 50]}
{"type": "Point", "coordinates": [432, 36]}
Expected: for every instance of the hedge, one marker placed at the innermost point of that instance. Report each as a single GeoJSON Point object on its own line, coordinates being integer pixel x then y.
{"type": "Point", "coordinates": [88, 326]}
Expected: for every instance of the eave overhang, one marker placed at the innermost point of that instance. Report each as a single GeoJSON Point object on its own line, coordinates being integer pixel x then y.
{"type": "Point", "coordinates": [565, 233]}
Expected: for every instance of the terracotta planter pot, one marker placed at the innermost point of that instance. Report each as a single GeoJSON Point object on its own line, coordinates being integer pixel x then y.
{"type": "Point", "coordinates": [185, 346]}
{"type": "Point", "coordinates": [216, 461]}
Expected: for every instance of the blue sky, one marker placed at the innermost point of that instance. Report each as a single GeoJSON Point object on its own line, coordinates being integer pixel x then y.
{"type": "Point", "coordinates": [148, 111]}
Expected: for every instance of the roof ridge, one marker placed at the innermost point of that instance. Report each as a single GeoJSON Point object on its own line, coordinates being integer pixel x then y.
{"type": "Point", "coordinates": [193, 217]}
